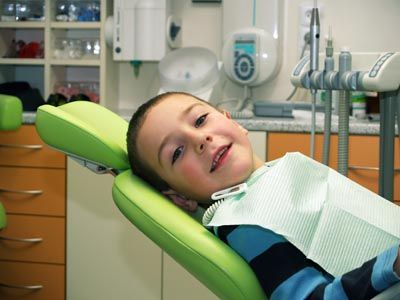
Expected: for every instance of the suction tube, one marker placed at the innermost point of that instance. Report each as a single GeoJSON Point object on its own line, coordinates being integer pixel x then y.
{"type": "Point", "coordinates": [343, 132]}
{"type": "Point", "coordinates": [344, 104]}
{"type": "Point", "coordinates": [329, 66]}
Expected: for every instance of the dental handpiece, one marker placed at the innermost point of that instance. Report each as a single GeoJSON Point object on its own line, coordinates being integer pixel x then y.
{"type": "Point", "coordinates": [314, 42]}
{"type": "Point", "coordinates": [314, 52]}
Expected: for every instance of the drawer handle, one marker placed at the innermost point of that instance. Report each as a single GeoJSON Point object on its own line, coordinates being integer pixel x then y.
{"type": "Point", "coordinates": [22, 287]}
{"type": "Point", "coordinates": [369, 168]}
{"type": "Point", "coordinates": [33, 147]}
{"type": "Point", "coordinates": [22, 240]}
{"type": "Point", "coordinates": [30, 192]}
{"type": "Point", "coordinates": [363, 168]}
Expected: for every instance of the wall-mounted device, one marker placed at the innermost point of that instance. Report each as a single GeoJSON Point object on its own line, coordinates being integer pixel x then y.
{"type": "Point", "coordinates": [250, 56]}
{"type": "Point", "coordinates": [144, 30]}
{"type": "Point", "coordinates": [252, 41]}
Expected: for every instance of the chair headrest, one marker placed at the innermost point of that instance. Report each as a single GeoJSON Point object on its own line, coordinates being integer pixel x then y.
{"type": "Point", "coordinates": [10, 112]}
{"type": "Point", "coordinates": [85, 130]}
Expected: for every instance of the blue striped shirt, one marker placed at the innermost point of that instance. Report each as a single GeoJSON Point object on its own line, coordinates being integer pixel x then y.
{"type": "Point", "coordinates": [285, 273]}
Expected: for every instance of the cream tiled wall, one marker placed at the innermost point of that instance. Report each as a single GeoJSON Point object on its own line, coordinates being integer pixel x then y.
{"type": "Point", "coordinates": [361, 25]}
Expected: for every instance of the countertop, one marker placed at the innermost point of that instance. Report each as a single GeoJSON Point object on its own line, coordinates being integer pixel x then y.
{"type": "Point", "coordinates": [301, 122]}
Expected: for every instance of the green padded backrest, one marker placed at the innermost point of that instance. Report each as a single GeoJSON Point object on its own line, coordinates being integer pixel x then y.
{"type": "Point", "coordinates": [87, 130]}
{"type": "Point", "coordinates": [210, 260]}
{"type": "Point", "coordinates": [10, 112]}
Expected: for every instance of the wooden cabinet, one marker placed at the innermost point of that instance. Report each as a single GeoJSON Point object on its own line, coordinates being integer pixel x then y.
{"type": "Point", "coordinates": [363, 155]}
{"type": "Point", "coordinates": [32, 190]}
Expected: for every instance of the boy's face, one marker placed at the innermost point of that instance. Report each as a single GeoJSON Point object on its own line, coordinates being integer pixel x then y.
{"type": "Point", "coordinates": [194, 148]}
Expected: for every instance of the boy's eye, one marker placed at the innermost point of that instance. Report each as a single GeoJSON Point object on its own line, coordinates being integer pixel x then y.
{"type": "Point", "coordinates": [200, 120]}
{"type": "Point", "coordinates": [178, 151]}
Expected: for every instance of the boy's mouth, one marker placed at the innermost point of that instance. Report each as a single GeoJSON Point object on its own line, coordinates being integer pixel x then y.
{"type": "Point", "coordinates": [219, 157]}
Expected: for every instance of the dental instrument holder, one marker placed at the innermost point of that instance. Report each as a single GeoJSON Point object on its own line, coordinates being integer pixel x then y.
{"type": "Point", "coordinates": [384, 78]}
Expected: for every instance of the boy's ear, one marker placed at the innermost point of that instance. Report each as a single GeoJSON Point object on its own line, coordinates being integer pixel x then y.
{"type": "Point", "coordinates": [227, 114]}
{"type": "Point", "coordinates": [181, 201]}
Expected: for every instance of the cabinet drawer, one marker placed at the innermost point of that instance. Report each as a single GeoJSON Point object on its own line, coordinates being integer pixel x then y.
{"type": "Point", "coordinates": [51, 278]}
{"type": "Point", "coordinates": [40, 239]}
{"type": "Point", "coordinates": [363, 152]}
{"type": "Point", "coordinates": [24, 147]}
{"type": "Point", "coordinates": [33, 190]}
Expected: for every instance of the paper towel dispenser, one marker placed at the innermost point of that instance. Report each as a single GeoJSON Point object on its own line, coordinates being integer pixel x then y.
{"type": "Point", "coordinates": [144, 30]}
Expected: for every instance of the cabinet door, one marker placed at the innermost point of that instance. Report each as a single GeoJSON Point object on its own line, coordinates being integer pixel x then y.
{"type": "Point", "coordinates": [35, 281]}
{"type": "Point", "coordinates": [33, 239]}
{"type": "Point", "coordinates": [363, 155]}
{"type": "Point", "coordinates": [37, 191]}
{"type": "Point", "coordinates": [107, 257]}
{"type": "Point", "coordinates": [24, 147]}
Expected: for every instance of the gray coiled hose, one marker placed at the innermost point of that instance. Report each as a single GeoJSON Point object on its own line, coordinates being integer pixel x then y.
{"type": "Point", "coordinates": [343, 132]}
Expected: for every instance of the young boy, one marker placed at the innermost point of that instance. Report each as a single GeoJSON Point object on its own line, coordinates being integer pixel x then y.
{"type": "Point", "coordinates": [187, 149]}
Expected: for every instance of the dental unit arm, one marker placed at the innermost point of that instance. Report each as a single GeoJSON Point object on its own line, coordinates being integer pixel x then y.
{"type": "Point", "coordinates": [383, 77]}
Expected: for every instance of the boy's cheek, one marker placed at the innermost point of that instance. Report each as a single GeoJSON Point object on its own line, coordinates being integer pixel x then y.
{"type": "Point", "coordinates": [190, 170]}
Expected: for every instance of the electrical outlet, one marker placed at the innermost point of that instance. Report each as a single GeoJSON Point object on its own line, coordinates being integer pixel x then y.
{"type": "Point", "coordinates": [304, 20]}
{"type": "Point", "coordinates": [305, 11]}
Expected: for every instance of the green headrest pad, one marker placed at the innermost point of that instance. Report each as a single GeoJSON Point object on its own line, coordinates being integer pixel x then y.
{"type": "Point", "coordinates": [87, 130]}
{"type": "Point", "coordinates": [10, 112]}
{"type": "Point", "coordinates": [198, 250]}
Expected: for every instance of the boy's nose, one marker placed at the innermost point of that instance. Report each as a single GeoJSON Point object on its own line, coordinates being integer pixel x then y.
{"type": "Point", "coordinates": [202, 143]}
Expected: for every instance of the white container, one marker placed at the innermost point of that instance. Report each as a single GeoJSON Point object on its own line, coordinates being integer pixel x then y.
{"type": "Point", "coordinates": [150, 29]}
{"type": "Point", "coordinates": [359, 105]}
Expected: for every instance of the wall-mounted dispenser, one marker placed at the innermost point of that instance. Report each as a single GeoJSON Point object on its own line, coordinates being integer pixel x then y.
{"type": "Point", "coordinates": [250, 56]}
{"type": "Point", "coordinates": [252, 40]}
{"type": "Point", "coordinates": [144, 30]}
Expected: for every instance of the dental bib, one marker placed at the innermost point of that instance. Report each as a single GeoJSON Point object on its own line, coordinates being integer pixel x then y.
{"type": "Point", "coordinates": [334, 221]}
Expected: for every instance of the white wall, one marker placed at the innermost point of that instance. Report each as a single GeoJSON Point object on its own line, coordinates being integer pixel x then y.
{"type": "Point", "coordinates": [362, 25]}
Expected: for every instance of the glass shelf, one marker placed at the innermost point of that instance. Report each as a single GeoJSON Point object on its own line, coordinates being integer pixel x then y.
{"type": "Point", "coordinates": [22, 61]}
{"type": "Point", "coordinates": [23, 24]}
{"type": "Point", "coordinates": [76, 25]}
{"type": "Point", "coordinates": [75, 62]}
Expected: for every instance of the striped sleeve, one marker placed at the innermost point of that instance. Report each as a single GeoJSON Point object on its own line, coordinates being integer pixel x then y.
{"type": "Point", "coordinates": [285, 273]}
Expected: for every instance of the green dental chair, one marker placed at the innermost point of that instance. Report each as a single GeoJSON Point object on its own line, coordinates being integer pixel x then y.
{"type": "Point", "coordinates": [95, 136]}
{"type": "Point", "coordinates": [10, 112]}
{"type": "Point", "coordinates": [10, 119]}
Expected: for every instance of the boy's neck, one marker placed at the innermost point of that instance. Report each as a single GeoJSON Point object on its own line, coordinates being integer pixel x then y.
{"type": "Point", "coordinates": [257, 162]}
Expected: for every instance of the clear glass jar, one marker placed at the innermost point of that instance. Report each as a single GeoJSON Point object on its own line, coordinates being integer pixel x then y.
{"type": "Point", "coordinates": [29, 10]}
{"type": "Point", "coordinates": [67, 48]}
{"type": "Point", "coordinates": [78, 11]}
{"type": "Point", "coordinates": [71, 89]}
{"type": "Point", "coordinates": [8, 11]}
{"type": "Point", "coordinates": [91, 48]}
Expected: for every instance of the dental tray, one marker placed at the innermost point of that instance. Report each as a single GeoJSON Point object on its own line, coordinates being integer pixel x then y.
{"type": "Point", "coordinates": [273, 109]}
{"type": "Point", "coordinates": [280, 109]}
